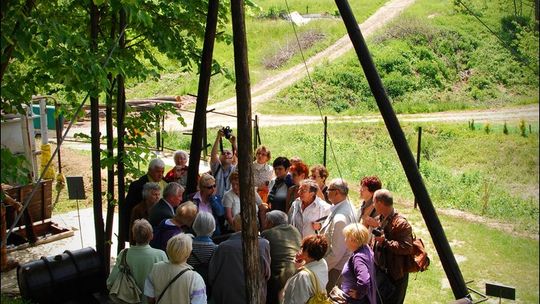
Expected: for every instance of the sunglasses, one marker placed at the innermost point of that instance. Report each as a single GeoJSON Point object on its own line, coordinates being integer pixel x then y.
{"type": "Point", "coordinates": [210, 187]}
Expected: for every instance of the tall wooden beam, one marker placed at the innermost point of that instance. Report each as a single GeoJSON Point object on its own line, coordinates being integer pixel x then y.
{"type": "Point", "coordinates": [453, 273]}
{"type": "Point", "coordinates": [96, 150]}
{"type": "Point", "coordinates": [253, 275]}
{"type": "Point", "coordinates": [199, 122]}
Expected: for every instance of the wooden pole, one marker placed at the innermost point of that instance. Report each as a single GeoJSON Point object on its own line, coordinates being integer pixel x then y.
{"type": "Point", "coordinates": [58, 129]}
{"type": "Point", "coordinates": [252, 272]}
{"type": "Point", "coordinates": [450, 265]}
{"type": "Point", "coordinates": [96, 151]}
{"type": "Point", "coordinates": [256, 128]}
{"type": "Point", "coordinates": [199, 122]}
{"type": "Point", "coordinates": [418, 151]}
{"type": "Point", "coordinates": [325, 139]}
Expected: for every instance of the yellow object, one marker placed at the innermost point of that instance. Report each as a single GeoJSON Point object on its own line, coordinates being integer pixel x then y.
{"type": "Point", "coordinates": [45, 156]}
{"type": "Point", "coordinates": [60, 181]}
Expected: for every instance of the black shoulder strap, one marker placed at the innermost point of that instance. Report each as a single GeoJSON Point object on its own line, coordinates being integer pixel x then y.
{"type": "Point", "coordinates": [123, 262]}
{"type": "Point", "coordinates": [172, 281]}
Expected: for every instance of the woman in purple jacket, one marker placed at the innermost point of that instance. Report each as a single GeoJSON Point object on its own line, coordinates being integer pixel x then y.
{"type": "Point", "coordinates": [358, 285]}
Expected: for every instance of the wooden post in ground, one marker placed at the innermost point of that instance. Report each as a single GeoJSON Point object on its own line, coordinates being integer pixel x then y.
{"type": "Point", "coordinates": [448, 260]}
{"type": "Point", "coordinates": [253, 275]}
{"type": "Point", "coordinates": [199, 122]}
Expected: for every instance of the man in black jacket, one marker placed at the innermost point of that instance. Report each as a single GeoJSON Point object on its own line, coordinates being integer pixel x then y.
{"type": "Point", "coordinates": [165, 208]}
{"type": "Point", "coordinates": [134, 196]}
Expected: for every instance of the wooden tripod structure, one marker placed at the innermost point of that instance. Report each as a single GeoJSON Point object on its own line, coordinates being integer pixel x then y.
{"type": "Point", "coordinates": [245, 154]}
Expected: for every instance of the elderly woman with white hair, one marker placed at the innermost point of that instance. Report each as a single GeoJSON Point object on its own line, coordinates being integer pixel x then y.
{"type": "Point", "coordinates": [203, 246]}
{"type": "Point", "coordinates": [141, 257]}
{"type": "Point", "coordinates": [180, 171]}
{"type": "Point", "coordinates": [175, 281]}
{"type": "Point", "coordinates": [150, 196]}
{"type": "Point", "coordinates": [284, 241]}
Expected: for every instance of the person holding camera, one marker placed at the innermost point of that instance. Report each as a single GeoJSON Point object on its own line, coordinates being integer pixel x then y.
{"type": "Point", "coordinates": [393, 245]}
{"type": "Point", "coordinates": [223, 162]}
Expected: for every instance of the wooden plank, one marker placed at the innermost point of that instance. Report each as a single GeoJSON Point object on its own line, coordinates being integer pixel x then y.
{"type": "Point", "coordinates": [40, 206]}
{"type": "Point", "coordinates": [57, 233]}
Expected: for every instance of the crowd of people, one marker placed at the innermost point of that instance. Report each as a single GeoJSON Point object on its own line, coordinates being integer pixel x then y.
{"type": "Point", "coordinates": [188, 247]}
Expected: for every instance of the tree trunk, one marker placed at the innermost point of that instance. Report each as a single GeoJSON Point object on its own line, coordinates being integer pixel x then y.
{"type": "Point", "coordinates": [96, 157]}
{"type": "Point", "coordinates": [199, 122]}
{"type": "Point", "coordinates": [252, 266]}
{"type": "Point", "coordinates": [110, 153]}
{"type": "Point", "coordinates": [120, 115]}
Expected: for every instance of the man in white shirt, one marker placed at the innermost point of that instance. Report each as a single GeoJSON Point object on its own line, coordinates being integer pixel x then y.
{"type": "Point", "coordinates": [342, 214]}
{"type": "Point", "coordinates": [307, 208]}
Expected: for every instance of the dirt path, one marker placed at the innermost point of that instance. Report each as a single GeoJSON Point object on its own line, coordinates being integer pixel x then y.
{"type": "Point", "coordinates": [269, 87]}
{"type": "Point", "coordinates": [529, 113]}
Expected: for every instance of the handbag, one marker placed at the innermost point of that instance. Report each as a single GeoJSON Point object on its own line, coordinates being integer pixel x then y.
{"type": "Point", "coordinates": [337, 296]}
{"type": "Point", "coordinates": [418, 261]}
{"type": "Point", "coordinates": [124, 289]}
{"type": "Point", "coordinates": [320, 296]}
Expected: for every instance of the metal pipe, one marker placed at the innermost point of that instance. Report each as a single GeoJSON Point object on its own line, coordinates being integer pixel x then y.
{"type": "Point", "coordinates": [406, 157]}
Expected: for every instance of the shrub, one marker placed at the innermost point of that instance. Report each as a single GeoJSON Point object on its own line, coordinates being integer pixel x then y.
{"type": "Point", "coordinates": [397, 84]}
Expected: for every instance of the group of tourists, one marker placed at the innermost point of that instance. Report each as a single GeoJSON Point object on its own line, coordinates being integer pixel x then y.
{"type": "Point", "coordinates": [187, 248]}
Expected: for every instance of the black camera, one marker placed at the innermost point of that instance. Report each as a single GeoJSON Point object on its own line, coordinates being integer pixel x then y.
{"type": "Point", "coordinates": [227, 132]}
{"type": "Point", "coordinates": [377, 231]}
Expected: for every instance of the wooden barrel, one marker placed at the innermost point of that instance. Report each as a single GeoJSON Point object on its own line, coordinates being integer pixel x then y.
{"type": "Point", "coordinates": [71, 275]}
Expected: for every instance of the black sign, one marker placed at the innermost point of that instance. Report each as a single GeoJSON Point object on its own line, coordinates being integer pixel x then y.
{"type": "Point", "coordinates": [500, 291]}
{"type": "Point", "coordinates": [75, 187]}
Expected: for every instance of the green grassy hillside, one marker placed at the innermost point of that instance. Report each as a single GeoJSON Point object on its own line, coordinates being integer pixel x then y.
{"type": "Point", "coordinates": [268, 35]}
{"type": "Point", "coordinates": [436, 57]}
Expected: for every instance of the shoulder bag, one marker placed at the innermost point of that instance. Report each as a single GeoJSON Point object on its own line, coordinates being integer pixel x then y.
{"type": "Point", "coordinates": [124, 289]}
{"type": "Point", "coordinates": [418, 261]}
{"type": "Point", "coordinates": [320, 296]}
